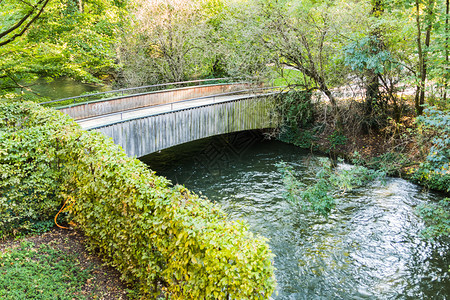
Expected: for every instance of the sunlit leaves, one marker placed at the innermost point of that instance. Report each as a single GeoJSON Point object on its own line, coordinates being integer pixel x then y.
{"type": "Point", "coordinates": [156, 235]}
{"type": "Point", "coordinates": [76, 44]}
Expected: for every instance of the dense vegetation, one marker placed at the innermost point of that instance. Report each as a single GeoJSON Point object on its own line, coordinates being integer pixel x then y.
{"type": "Point", "coordinates": [161, 238]}
{"type": "Point", "coordinates": [366, 71]}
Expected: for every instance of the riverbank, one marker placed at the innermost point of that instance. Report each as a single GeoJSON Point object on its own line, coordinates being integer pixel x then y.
{"type": "Point", "coordinates": [412, 148]}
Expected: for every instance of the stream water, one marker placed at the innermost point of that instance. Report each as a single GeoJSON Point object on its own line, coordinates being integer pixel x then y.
{"type": "Point", "coordinates": [369, 248]}
{"type": "Point", "coordinates": [64, 88]}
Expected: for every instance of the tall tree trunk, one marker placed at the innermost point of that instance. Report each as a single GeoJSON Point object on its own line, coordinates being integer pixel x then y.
{"type": "Point", "coordinates": [423, 53]}
{"type": "Point", "coordinates": [372, 91]}
{"type": "Point", "coordinates": [373, 83]}
{"type": "Point", "coordinates": [446, 51]}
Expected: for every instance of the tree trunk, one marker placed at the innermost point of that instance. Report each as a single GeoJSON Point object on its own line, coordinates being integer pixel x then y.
{"type": "Point", "coordinates": [373, 83]}
{"type": "Point", "coordinates": [420, 93]}
{"type": "Point", "coordinates": [372, 91]}
{"type": "Point", "coordinates": [324, 88]}
{"type": "Point", "coordinates": [446, 51]}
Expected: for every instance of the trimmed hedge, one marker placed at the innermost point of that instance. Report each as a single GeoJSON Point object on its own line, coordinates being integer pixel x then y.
{"type": "Point", "coordinates": [158, 236]}
{"type": "Point", "coordinates": [29, 166]}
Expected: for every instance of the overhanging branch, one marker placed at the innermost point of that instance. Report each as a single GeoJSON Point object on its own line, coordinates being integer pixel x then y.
{"type": "Point", "coordinates": [22, 21]}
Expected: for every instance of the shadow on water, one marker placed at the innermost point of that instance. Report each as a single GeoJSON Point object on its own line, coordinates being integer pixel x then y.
{"type": "Point", "coordinates": [369, 248]}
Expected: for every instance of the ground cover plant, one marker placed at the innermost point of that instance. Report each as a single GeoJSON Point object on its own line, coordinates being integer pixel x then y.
{"type": "Point", "coordinates": [40, 273]}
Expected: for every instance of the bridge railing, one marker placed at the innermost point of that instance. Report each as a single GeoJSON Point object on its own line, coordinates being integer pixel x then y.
{"type": "Point", "coordinates": [178, 105]}
{"type": "Point", "coordinates": [86, 98]}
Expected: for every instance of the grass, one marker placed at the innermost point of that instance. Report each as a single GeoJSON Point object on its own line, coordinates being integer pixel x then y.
{"type": "Point", "coordinates": [286, 77]}
{"type": "Point", "coordinates": [56, 265]}
{"type": "Point", "coordinates": [41, 272]}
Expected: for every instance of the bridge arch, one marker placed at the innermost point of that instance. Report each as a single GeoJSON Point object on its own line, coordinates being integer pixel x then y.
{"type": "Point", "coordinates": [148, 134]}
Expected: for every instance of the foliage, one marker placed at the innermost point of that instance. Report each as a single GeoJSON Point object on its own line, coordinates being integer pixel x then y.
{"type": "Point", "coordinates": [391, 163]}
{"type": "Point", "coordinates": [30, 272]}
{"type": "Point", "coordinates": [29, 167]}
{"type": "Point", "coordinates": [155, 234]}
{"type": "Point", "coordinates": [77, 42]}
{"type": "Point", "coordinates": [320, 196]}
{"type": "Point", "coordinates": [434, 172]}
{"type": "Point", "coordinates": [301, 36]}
{"type": "Point", "coordinates": [361, 55]}
{"type": "Point", "coordinates": [437, 218]}
{"type": "Point", "coordinates": [303, 138]}
{"type": "Point", "coordinates": [296, 108]}
{"type": "Point", "coordinates": [336, 139]}
{"type": "Point", "coordinates": [166, 42]}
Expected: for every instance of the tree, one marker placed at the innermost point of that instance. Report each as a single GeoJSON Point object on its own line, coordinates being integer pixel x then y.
{"type": "Point", "coordinates": [377, 46]}
{"type": "Point", "coordinates": [423, 45]}
{"type": "Point", "coordinates": [239, 41]}
{"type": "Point", "coordinates": [447, 46]}
{"type": "Point", "coordinates": [169, 37]}
{"type": "Point", "coordinates": [18, 17]}
{"type": "Point", "coordinates": [305, 38]}
{"type": "Point", "coordinates": [60, 40]}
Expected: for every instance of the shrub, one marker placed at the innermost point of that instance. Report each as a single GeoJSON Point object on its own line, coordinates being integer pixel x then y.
{"type": "Point", "coordinates": [437, 218]}
{"type": "Point", "coordinates": [434, 172]}
{"type": "Point", "coordinates": [319, 196]}
{"type": "Point", "coordinates": [296, 108]}
{"type": "Point", "coordinates": [29, 166]}
{"type": "Point", "coordinates": [158, 236]}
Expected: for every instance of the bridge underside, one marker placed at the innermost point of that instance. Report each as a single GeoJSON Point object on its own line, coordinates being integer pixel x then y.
{"type": "Point", "coordinates": [143, 136]}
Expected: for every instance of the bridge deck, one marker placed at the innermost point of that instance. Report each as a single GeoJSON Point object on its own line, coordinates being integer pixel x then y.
{"type": "Point", "coordinates": [108, 119]}
{"type": "Point", "coordinates": [169, 121]}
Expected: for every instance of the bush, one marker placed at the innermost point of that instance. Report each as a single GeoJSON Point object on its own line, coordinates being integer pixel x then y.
{"type": "Point", "coordinates": [434, 172]}
{"type": "Point", "coordinates": [29, 166]}
{"type": "Point", "coordinates": [158, 236]}
{"type": "Point", "coordinates": [319, 197]}
{"type": "Point", "coordinates": [437, 218]}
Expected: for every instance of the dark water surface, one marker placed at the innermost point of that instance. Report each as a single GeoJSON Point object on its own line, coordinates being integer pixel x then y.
{"type": "Point", "coordinates": [369, 248]}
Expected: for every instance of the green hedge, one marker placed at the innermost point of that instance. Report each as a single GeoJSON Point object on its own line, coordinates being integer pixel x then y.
{"type": "Point", "coordinates": [160, 237]}
{"type": "Point", "coordinates": [29, 166]}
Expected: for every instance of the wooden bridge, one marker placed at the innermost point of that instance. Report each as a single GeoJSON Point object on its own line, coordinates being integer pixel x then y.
{"type": "Point", "coordinates": [146, 122]}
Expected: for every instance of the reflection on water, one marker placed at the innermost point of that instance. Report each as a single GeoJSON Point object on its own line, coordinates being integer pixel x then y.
{"type": "Point", "coordinates": [64, 88]}
{"type": "Point", "coordinates": [368, 248]}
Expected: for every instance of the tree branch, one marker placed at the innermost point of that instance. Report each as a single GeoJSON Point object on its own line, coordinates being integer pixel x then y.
{"type": "Point", "coordinates": [45, 2]}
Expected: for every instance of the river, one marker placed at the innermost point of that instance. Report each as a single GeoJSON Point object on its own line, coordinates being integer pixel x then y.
{"type": "Point", "coordinates": [65, 87]}
{"type": "Point", "coordinates": [369, 248]}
